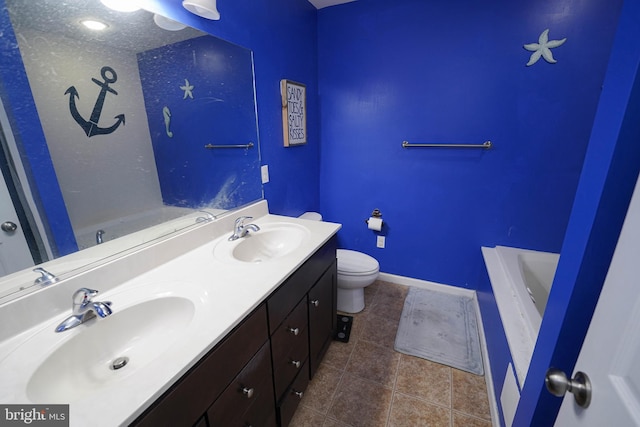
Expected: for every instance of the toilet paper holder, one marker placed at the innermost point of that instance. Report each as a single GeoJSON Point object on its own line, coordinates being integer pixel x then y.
{"type": "Point", "coordinates": [375, 214]}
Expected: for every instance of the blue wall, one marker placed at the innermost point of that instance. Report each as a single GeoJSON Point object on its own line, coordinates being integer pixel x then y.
{"type": "Point", "coordinates": [454, 72]}
{"type": "Point", "coordinates": [607, 181]}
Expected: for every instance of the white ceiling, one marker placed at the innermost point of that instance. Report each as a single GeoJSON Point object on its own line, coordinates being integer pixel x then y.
{"type": "Point", "coordinates": [319, 4]}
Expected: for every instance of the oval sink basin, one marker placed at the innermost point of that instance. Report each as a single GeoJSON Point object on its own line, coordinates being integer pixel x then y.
{"type": "Point", "coordinates": [131, 337]}
{"type": "Point", "coordinates": [271, 242]}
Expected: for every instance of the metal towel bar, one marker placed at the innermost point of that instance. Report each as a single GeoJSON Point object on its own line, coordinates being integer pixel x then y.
{"type": "Point", "coordinates": [485, 145]}
{"type": "Point", "coordinates": [210, 146]}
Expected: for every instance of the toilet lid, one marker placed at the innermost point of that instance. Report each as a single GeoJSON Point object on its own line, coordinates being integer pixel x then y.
{"type": "Point", "coordinates": [355, 263]}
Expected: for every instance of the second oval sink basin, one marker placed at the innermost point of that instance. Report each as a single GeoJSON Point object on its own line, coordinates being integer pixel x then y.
{"type": "Point", "coordinates": [113, 347]}
{"type": "Point", "coordinates": [272, 241]}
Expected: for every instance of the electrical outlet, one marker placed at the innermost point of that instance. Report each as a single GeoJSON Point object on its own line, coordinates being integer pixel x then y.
{"type": "Point", "coordinates": [264, 172]}
{"type": "Point", "coordinates": [380, 241]}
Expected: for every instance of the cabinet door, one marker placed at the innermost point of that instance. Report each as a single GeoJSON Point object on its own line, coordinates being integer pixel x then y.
{"type": "Point", "coordinates": [189, 398]}
{"type": "Point", "coordinates": [322, 316]}
{"type": "Point", "coordinates": [248, 400]}
{"type": "Point", "coordinates": [287, 296]}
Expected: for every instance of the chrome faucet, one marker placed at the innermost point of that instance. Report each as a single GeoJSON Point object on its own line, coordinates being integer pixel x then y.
{"type": "Point", "coordinates": [99, 235]}
{"type": "Point", "coordinates": [84, 308]}
{"type": "Point", "coordinates": [208, 216]}
{"type": "Point", "coordinates": [240, 230]}
{"type": "Point", "coordinates": [46, 278]}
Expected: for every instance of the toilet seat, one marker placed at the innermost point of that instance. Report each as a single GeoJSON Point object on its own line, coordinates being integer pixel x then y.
{"type": "Point", "coordinates": [352, 263]}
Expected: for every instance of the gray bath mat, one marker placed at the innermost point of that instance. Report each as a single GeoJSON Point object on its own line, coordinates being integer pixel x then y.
{"type": "Point", "coordinates": [442, 328]}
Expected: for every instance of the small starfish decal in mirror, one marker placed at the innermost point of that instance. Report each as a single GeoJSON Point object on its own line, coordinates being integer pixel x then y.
{"type": "Point", "coordinates": [543, 48]}
{"type": "Point", "coordinates": [187, 88]}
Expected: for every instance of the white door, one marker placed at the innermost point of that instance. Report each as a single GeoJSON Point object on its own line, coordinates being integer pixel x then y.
{"type": "Point", "coordinates": [14, 251]}
{"type": "Point", "coordinates": [610, 354]}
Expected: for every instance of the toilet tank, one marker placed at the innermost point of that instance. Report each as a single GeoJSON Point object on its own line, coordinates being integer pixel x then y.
{"type": "Point", "coordinates": [313, 216]}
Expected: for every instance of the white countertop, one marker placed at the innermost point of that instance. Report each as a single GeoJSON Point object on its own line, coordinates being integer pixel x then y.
{"type": "Point", "coordinates": [232, 291]}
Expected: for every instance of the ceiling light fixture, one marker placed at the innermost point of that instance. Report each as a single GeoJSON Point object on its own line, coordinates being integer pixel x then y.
{"type": "Point", "coordinates": [205, 8]}
{"type": "Point", "coordinates": [167, 24]}
{"type": "Point", "coordinates": [94, 25]}
{"type": "Point", "coordinates": [121, 5]}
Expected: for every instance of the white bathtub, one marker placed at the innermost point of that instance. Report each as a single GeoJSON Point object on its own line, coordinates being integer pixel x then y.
{"type": "Point", "coordinates": [521, 280]}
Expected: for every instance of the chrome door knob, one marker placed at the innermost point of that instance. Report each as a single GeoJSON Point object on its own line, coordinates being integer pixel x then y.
{"type": "Point", "coordinates": [558, 384]}
{"type": "Point", "coordinates": [9, 226]}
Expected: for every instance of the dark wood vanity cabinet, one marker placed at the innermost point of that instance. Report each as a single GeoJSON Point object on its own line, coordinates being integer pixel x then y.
{"type": "Point", "coordinates": [302, 322]}
{"type": "Point", "coordinates": [258, 373]}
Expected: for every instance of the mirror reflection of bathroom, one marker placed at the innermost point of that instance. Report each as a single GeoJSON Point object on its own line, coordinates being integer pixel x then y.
{"type": "Point", "coordinates": [117, 130]}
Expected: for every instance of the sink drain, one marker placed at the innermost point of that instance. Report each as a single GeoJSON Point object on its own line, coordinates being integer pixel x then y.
{"type": "Point", "coordinates": [119, 363]}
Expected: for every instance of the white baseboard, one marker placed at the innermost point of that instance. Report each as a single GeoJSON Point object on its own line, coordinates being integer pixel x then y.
{"type": "Point", "coordinates": [424, 284]}
{"type": "Point", "coordinates": [454, 290]}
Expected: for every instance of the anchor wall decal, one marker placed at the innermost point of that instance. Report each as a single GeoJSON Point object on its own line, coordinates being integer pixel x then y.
{"type": "Point", "coordinates": [90, 126]}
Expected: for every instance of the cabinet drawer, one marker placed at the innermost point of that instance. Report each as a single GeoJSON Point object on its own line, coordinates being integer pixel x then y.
{"type": "Point", "coordinates": [291, 399]}
{"type": "Point", "coordinates": [249, 395]}
{"type": "Point", "coordinates": [290, 347]}
{"type": "Point", "coordinates": [285, 298]}
{"type": "Point", "coordinates": [190, 397]}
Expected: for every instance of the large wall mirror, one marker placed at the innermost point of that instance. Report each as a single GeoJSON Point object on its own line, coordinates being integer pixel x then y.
{"type": "Point", "coordinates": [113, 138]}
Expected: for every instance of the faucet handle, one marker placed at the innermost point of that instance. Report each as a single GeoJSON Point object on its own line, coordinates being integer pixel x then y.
{"type": "Point", "coordinates": [83, 295]}
{"type": "Point", "coordinates": [46, 278]}
{"type": "Point", "coordinates": [240, 220]}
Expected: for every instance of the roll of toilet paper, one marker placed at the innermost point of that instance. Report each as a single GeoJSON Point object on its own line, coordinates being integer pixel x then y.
{"type": "Point", "coordinates": [375, 224]}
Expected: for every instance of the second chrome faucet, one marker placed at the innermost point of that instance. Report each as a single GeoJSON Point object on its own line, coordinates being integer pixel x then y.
{"type": "Point", "coordinates": [240, 229]}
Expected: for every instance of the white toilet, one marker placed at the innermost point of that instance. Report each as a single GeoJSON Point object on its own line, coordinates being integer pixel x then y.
{"type": "Point", "coordinates": [356, 271]}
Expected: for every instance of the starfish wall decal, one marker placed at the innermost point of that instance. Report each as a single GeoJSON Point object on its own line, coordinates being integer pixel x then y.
{"type": "Point", "coordinates": [187, 88]}
{"type": "Point", "coordinates": [543, 48]}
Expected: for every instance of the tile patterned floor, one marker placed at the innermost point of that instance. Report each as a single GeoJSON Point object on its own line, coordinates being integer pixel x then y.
{"type": "Point", "coordinates": [366, 383]}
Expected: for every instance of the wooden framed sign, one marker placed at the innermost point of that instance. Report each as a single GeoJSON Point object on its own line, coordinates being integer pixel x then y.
{"type": "Point", "coordinates": [294, 112]}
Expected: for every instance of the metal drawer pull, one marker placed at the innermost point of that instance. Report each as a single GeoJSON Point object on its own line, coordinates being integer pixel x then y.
{"type": "Point", "coordinates": [298, 393]}
{"type": "Point", "coordinates": [294, 331]}
{"type": "Point", "coordinates": [248, 392]}
{"type": "Point", "coordinates": [295, 363]}
{"type": "Point", "coordinates": [315, 302]}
